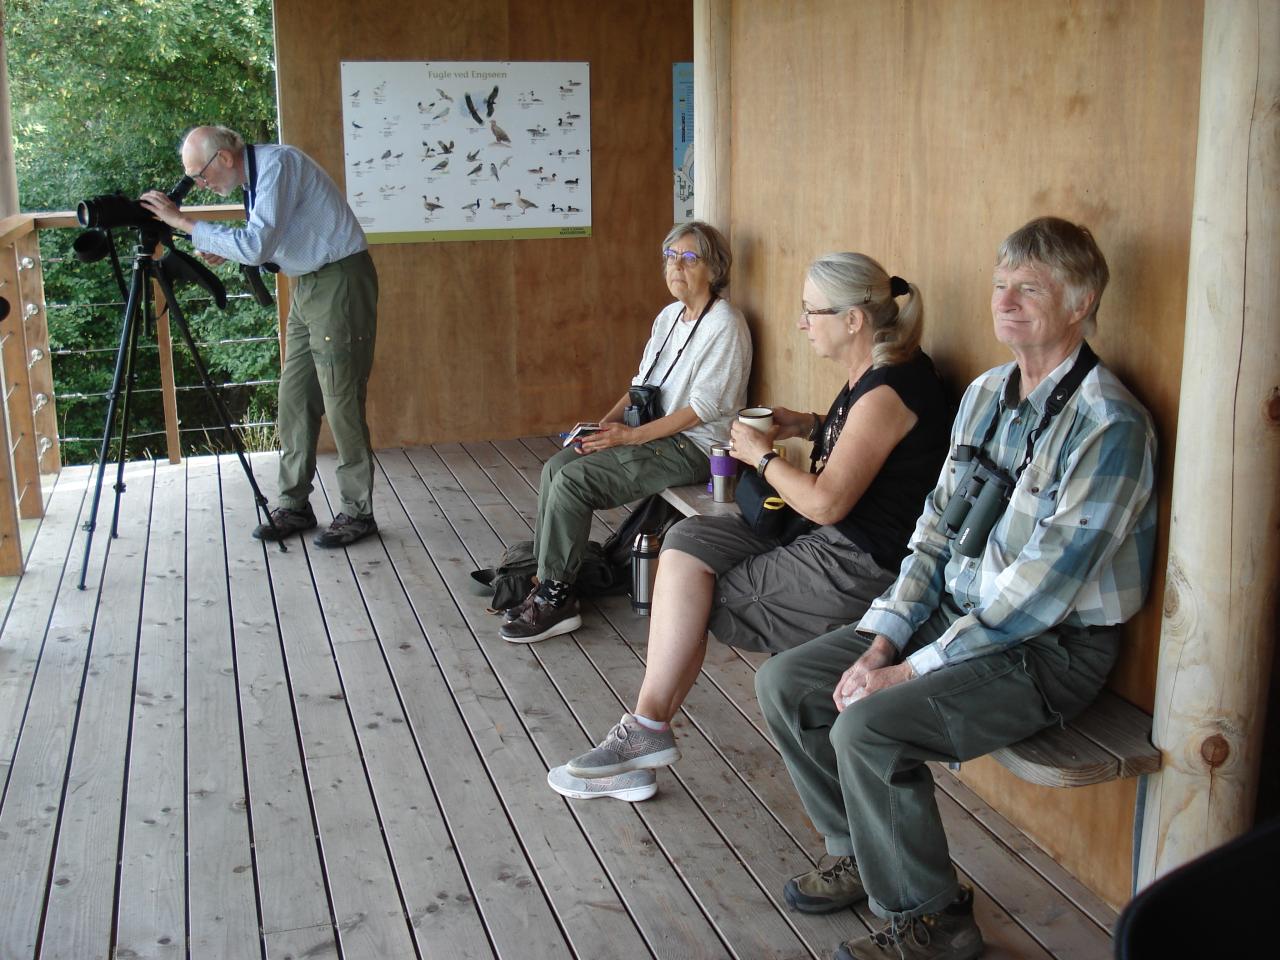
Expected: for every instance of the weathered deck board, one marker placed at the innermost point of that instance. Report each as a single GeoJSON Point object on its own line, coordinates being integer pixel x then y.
{"type": "Point", "coordinates": [81, 898]}
{"type": "Point", "coordinates": [33, 799]}
{"type": "Point", "coordinates": [222, 908]}
{"type": "Point", "coordinates": [27, 618]}
{"type": "Point", "coordinates": [150, 914]}
{"type": "Point", "coordinates": [320, 753]}
{"type": "Point", "coordinates": [296, 913]}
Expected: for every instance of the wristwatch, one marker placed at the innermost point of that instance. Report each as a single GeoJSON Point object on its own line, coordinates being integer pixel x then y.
{"type": "Point", "coordinates": [765, 461]}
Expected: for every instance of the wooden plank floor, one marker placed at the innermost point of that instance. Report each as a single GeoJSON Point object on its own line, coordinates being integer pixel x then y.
{"type": "Point", "coordinates": [220, 750]}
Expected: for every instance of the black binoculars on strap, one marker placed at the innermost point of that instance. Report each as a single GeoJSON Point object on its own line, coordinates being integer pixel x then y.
{"type": "Point", "coordinates": [977, 503]}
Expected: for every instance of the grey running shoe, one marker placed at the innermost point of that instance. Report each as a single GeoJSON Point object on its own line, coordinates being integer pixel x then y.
{"type": "Point", "coordinates": [346, 530]}
{"type": "Point", "coordinates": [633, 786]}
{"type": "Point", "coordinates": [826, 889]}
{"type": "Point", "coordinates": [540, 619]}
{"type": "Point", "coordinates": [287, 522]}
{"type": "Point", "coordinates": [950, 934]}
{"type": "Point", "coordinates": [628, 746]}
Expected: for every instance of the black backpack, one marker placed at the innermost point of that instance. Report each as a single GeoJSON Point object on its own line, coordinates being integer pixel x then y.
{"type": "Point", "coordinates": [606, 567]}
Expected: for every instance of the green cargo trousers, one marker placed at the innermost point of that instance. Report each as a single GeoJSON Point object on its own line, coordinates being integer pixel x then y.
{"type": "Point", "coordinates": [574, 485]}
{"type": "Point", "coordinates": [333, 321]}
{"type": "Point", "coordinates": [861, 774]}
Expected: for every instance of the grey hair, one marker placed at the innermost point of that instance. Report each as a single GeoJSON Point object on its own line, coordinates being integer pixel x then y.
{"type": "Point", "coordinates": [855, 280]}
{"type": "Point", "coordinates": [712, 246]}
{"type": "Point", "coordinates": [217, 138]}
{"type": "Point", "coordinates": [1070, 253]}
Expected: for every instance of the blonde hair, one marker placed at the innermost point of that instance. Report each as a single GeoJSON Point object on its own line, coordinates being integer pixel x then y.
{"type": "Point", "coordinates": [855, 280]}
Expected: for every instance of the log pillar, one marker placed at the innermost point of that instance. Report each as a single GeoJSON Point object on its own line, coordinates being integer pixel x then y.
{"type": "Point", "coordinates": [1219, 626]}
{"type": "Point", "coordinates": [712, 111]}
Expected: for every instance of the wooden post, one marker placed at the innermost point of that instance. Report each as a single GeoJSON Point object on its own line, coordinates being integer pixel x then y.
{"type": "Point", "coordinates": [712, 112]}
{"type": "Point", "coordinates": [168, 388]}
{"type": "Point", "coordinates": [1218, 632]}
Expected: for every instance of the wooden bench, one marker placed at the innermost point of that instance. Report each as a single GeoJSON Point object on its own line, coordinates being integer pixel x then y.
{"type": "Point", "coordinates": [1109, 741]}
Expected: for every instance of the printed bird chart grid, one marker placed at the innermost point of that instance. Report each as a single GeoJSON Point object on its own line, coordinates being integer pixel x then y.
{"type": "Point", "coordinates": [453, 150]}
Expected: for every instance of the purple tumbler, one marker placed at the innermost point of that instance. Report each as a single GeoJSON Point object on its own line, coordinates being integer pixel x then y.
{"type": "Point", "coordinates": [724, 474]}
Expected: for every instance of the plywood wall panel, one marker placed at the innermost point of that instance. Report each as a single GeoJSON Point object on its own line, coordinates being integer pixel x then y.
{"type": "Point", "coordinates": [924, 132]}
{"type": "Point", "coordinates": [499, 338]}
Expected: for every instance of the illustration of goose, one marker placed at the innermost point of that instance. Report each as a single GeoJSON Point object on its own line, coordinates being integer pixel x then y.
{"type": "Point", "coordinates": [495, 205]}
{"type": "Point", "coordinates": [523, 203]}
{"type": "Point", "coordinates": [431, 205]}
{"type": "Point", "coordinates": [472, 207]}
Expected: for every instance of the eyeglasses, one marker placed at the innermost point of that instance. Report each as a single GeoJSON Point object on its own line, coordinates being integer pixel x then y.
{"type": "Point", "coordinates": [199, 177]}
{"type": "Point", "coordinates": [806, 312]}
{"type": "Point", "coordinates": [686, 258]}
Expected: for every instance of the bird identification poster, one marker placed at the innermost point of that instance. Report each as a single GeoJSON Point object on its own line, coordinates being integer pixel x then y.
{"type": "Point", "coordinates": [450, 150]}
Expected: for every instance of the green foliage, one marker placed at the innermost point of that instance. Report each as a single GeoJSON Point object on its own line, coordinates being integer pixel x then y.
{"type": "Point", "coordinates": [101, 93]}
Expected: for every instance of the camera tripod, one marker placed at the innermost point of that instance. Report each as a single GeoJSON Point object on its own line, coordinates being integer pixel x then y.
{"type": "Point", "coordinates": [138, 311]}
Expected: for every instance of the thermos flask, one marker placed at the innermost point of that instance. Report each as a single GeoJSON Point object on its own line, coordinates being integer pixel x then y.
{"type": "Point", "coordinates": [644, 567]}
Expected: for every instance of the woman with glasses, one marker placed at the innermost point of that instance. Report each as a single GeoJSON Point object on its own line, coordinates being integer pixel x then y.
{"type": "Point", "coordinates": [695, 365]}
{"type": "Point", "coordinates": [876, 456]}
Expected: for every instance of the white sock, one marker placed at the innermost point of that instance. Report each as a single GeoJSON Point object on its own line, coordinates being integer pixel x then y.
{"type": "Point", "coordinates": [650, 724]}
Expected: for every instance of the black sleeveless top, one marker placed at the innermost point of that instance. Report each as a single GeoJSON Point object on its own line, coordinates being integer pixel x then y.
{"type": "Point", "coordinates": [882, 520]}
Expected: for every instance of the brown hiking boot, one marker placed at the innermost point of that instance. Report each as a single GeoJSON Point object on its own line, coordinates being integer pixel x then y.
{"type": "Point", "coordinates": [826, 889]}
{"type": "Point", "coordinates": [346, 530]}
{"type": "Point", "coordinates": [950, 934]}
{"type": "Point", "coordinates": [286, 522]}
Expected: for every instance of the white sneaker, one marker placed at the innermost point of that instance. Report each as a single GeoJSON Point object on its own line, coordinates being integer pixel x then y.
{"type": "Point", "coordinates": [631, 786]}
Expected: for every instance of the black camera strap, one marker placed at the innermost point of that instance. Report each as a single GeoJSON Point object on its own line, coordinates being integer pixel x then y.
{"type": "Point", "coordinates": [249, 192]}
{"type": "Point", "coordinates": [1086, 360]}
{"type": "Point", "coordinates": [658, 355]}
{"type": "Point", "coordinates": [250, 188]}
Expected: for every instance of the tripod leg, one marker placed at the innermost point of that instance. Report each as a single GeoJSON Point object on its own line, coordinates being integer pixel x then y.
{"type": "Point", "coordinates": [180, 322]}
{"type": "Point", "coordinates": [132, 309]}
{"type": "Point", "coordinates": [130, 381]}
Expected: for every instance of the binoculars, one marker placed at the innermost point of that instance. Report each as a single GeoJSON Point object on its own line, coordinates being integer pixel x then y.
{"type": "Point", "coordinates": [977, 503]}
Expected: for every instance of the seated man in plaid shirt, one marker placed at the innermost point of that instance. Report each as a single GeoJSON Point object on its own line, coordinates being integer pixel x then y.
{"type": "Point", "coordinates": [1003, 619]}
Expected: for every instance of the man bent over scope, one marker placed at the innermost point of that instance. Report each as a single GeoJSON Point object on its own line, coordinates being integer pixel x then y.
{"type": "Point", "coordinates": [298, 222]}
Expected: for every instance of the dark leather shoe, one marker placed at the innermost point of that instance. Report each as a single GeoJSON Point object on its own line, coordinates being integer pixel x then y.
{"type": "Point", "coordinates": [286, 522]}
{"type": "Point", "coordinates": [346, 530]}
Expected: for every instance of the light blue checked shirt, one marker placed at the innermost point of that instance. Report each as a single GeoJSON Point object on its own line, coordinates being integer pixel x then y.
{"type": "Point", "coordinates": [297, 217]}
{"type": "Point", "coordinates": [1074, 545]}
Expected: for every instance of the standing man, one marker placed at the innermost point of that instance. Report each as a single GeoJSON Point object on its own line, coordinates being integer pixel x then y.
{"type": "Point", "coordinates": [988, 635]}
{"type": "Point", "coordinates": [300, 224]}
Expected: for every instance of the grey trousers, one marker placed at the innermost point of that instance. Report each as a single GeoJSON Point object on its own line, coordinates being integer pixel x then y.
{"type": "Point", "coordinates": [329, 343]}
{"type": "Point", "coordinates": [574, 485]}
{"type": "Point", "coordinates": [861, 774]}
{"type": "Point", "coordinates": [773, 596]}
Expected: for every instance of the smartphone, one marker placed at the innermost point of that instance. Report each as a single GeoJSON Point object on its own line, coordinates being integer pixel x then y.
{"type": "Point", "coordinates": [579, 431]}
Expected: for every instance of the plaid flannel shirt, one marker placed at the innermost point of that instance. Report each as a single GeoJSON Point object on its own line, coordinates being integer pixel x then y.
{"type": "Point", "coordinates": [1074, 545]}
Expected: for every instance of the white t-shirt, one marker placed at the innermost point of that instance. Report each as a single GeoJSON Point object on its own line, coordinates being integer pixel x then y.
{"type": "Point", "coordinates": [711, 375]}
